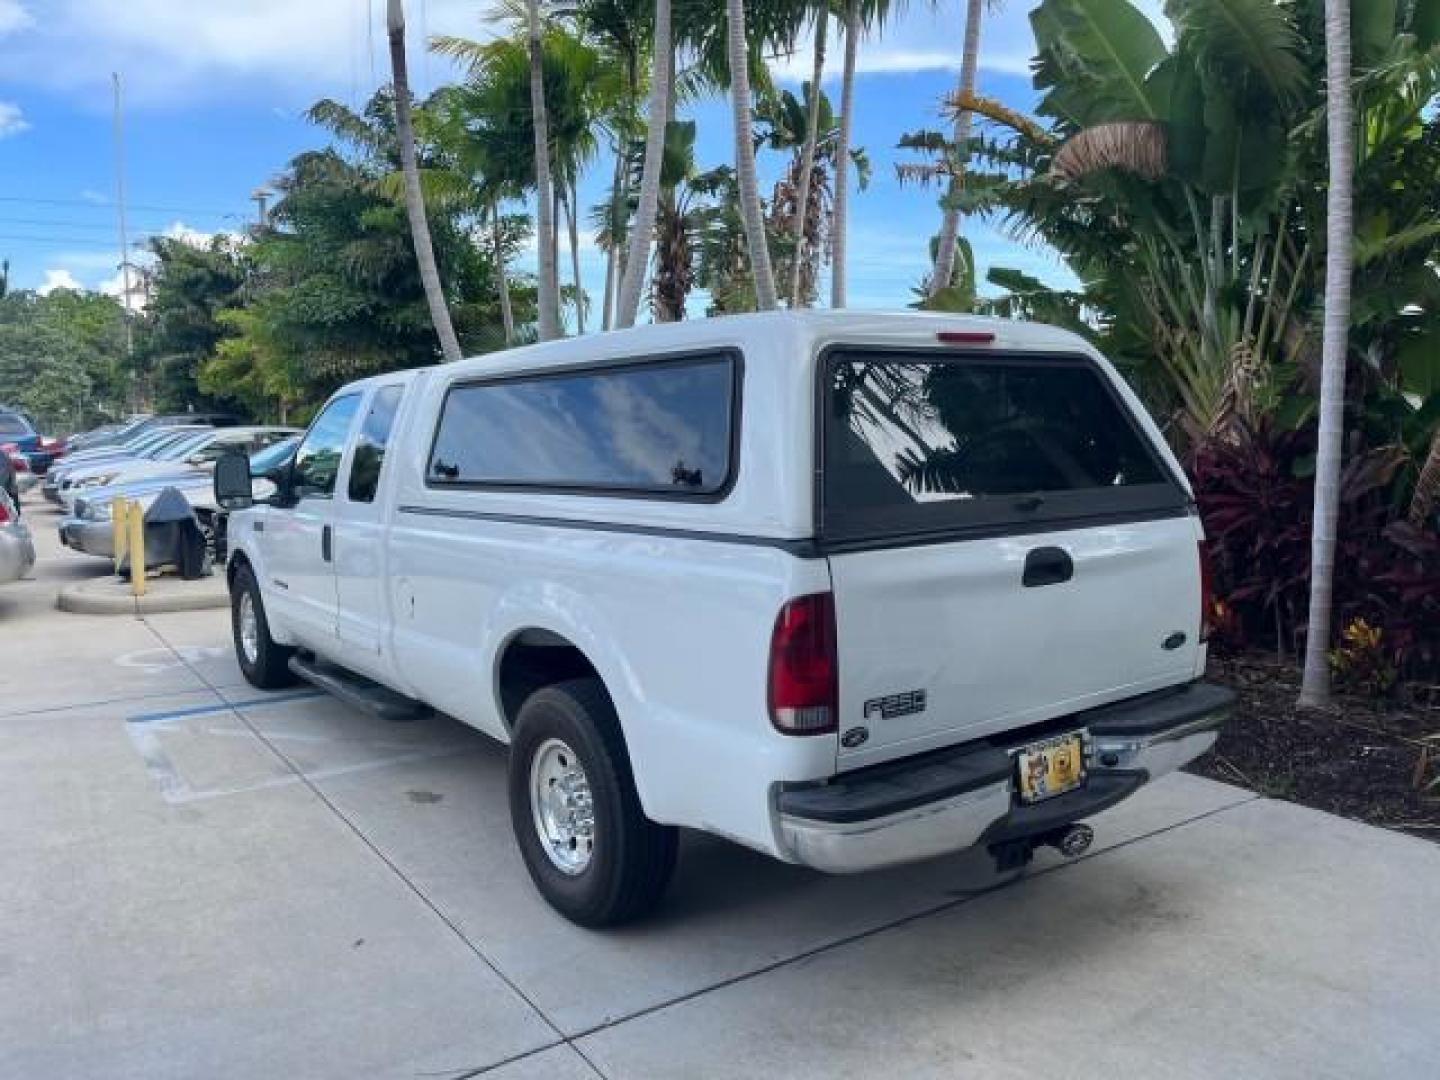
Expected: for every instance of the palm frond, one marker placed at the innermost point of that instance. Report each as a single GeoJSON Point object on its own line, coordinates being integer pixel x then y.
{"type": "Point", "coordinates": [344, 123]}
{"type": "Point", "coordinates": [952, 105]}
{"type": "Point", "coordinates": [1134, 146]}
{"type": "Point", "coordinates": [1250, 35]}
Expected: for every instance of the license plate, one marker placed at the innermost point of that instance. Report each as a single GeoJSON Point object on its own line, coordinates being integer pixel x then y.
{"type": "Point", "coordinates": [1050, 768]}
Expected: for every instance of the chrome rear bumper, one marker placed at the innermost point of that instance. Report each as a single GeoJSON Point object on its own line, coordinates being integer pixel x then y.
{"type": "Point", "coordinates": [883, 817]}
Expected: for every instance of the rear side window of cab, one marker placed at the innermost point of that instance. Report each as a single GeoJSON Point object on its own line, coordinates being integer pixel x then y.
{"type": "Point", "coordinates": [665, 428]}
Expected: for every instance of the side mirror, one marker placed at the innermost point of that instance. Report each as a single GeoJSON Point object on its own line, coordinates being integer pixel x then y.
{"type": "Point", "coordinates": [232, 482]}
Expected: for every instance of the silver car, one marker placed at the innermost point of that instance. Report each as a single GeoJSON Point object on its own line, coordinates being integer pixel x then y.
{"type": "Point", "coordinates": [89, 528]}
{"type": "Point", "coordinates": [17, 551]}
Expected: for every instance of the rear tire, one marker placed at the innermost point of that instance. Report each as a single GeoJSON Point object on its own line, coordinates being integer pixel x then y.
{"type": "Point", "coordinates": [263, 663]}
{"type": "Point", "coordinates": [590, 850]}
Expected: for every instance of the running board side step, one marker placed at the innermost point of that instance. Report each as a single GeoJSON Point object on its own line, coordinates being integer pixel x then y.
{"type": "Point", "coordinates": [358, 691]}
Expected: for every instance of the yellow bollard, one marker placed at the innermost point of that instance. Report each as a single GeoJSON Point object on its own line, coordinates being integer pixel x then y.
{"type": "Point", "coordinates": [137, 550]}
{"type": "Point", "coordinates": [119, 530]}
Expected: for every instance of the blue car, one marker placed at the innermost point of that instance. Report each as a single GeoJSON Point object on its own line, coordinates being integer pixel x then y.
{"type": "Point", "coordinates": [15, 427]}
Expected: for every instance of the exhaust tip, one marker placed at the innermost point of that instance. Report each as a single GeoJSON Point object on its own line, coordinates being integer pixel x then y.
{"type": "Point", "coordinates": [1074, 841]}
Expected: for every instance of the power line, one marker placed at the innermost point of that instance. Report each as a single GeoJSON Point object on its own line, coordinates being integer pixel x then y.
{"type": "Point", "coordinates": [75, 244]}
{"type": "Point", "coordinates": [109, 207]}
{"type": "Point", "coordinates": [58, 223]}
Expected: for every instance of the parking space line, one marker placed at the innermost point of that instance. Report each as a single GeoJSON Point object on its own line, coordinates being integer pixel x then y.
{"type": "Point", "coordinates": [223, 706]}
{"type": "Point", "coordinates": [121, 699]}
{"type": "Point", "coordinates": [237, 709]}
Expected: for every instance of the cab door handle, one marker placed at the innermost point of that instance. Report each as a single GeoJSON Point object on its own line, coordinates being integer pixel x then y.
{"type": "Point", "coordinates": [1047, 566]}
{"type": "Point", "coordinates": [326, 544]}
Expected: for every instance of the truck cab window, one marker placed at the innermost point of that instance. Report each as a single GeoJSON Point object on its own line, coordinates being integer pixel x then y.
{"type": "Point", "coordinates": [317, 461]}
{"type": "Point", "coordinates": [370, 444]}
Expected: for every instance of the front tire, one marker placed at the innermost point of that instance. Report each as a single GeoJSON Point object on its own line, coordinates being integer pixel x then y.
{"type": "Point", "coordinates": [591, 851]}
{"type": "Point", "coordinates": [263, 663]}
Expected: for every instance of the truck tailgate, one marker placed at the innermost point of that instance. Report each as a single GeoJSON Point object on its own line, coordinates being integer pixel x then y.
{"type": "Point", "coordinates": [945, 642]}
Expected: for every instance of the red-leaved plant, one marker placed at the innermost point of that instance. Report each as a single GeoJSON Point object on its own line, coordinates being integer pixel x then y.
{"type": "Point", "coordinates": [1255, 490]}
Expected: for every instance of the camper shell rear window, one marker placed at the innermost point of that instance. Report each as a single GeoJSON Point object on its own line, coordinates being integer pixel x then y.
{"type": "Point", "coordinates": [932, 441]}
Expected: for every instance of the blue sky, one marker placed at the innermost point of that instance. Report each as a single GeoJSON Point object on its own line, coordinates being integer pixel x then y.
{"type": "Point", "coordinates": [214, 100]}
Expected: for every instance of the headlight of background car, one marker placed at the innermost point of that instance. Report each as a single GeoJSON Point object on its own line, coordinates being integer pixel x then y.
{"type": "Point", "coordinates": [93, 511]}
{"type": "Point", "coordinates": [98, 481]}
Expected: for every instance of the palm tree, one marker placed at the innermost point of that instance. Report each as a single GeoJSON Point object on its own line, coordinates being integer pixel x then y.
{"type": "Point", "coordinates": [549, 291]}
{"type": "Point", "coordinates": [859, 15]}
{"type": "Point", "coordinates": [414, 200]}
{"type": "Point", "coordinates": [642, 229]}
{"type": "Point", "coordinates": [807, 153]}
{"type": "Point", "coordinates": [621, 31]}
{"type": "Point", "coordinates": [944, 270]}
{"type": "Point", "coordinates": [1339, 264]}
{"type": "Point", "coordinates": [749, 186]}
{"type": "Point", "coordinates": [842, 179]}
{"type": "Point", "coordinates": [802, 205]}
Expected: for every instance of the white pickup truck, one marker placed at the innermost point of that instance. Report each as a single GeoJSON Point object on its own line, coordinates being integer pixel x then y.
{"type": "Point", "coordinates": [852, 590]}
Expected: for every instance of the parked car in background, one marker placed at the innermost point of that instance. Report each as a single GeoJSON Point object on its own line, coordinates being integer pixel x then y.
{"type": "Point", "coordinates": [10, 475]}
{"type": "Point", "coordinates": [18, 432]}
{"type": "Point", "coordinates": [15, 473]}
{"type": "Point", "coordinates": [111, 435]}
{"type": "Point", "coordinates": [85, 439]}
{"type": "Point", "coordinates": [89, 528]}
{"type": "Point", "coordinates": [17, 550]}
{"type": "Point", "coordinates": [149, 445]}
{"type": "Point", "coordinates": [198, 452]}
{"type": "Point", "coordinates": [851, 589]}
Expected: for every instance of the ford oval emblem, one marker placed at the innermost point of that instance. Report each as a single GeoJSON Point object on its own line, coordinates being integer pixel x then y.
{"type": "Point", "coordinates": [854, 737]}
{"type": "Point", "coordinates": [1174, 641]}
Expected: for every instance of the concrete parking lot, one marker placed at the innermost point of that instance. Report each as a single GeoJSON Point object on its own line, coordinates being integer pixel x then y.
{"type": "Point", "coordinates": [202, 880]}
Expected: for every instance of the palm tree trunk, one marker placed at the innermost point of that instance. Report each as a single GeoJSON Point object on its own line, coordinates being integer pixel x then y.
{"type": "Point", "coordinates": [612, 255]}
{"type": "Point", "coordinates": [807, 155]}
{"type": "Point", "coordinates": [502, 279]}
{"type": "Point", "coordinates": [414, 200]}
{"type": "Point", "coordinates": [944, 270]}
{"type": "Point", "coordinates": [549, 284]}
{"type": "Point", "coordinates": [568, 201]}
{"type": "Point", "coordinates": [745, 177]}
{"type": "Point", "coordinates": [840, 226]}
{"type": "Point", "coordinates": [1339, 229]}
{"type": "Point", "coordinates": [1427, 487]}
{"type": "Point", "coordinates": [642, 228]}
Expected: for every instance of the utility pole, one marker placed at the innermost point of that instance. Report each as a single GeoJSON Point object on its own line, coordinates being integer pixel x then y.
{"type": "Point", "coordinates": [120, 219]}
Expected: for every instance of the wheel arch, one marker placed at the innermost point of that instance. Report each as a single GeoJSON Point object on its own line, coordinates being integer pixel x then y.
{"type": "Point", "coordinates": [533, 656]}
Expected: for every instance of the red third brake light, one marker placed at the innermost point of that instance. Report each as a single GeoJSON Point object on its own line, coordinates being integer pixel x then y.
{"type": "Point", "coordinates": [1207, 593]}
{"type": "Point", "coordinates": [965, 337]}
{"type": "Point", "coordinates": [803, 686]}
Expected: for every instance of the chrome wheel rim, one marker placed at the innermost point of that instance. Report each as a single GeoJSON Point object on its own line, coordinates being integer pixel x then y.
{"type": "Point", "coordinates": [561, 806]}
{"type": "Point", "coordinates": [249, 629]}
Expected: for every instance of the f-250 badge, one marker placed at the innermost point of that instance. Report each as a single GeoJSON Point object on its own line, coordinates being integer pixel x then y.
{"type": "Point", "coordinates": [890, 706]}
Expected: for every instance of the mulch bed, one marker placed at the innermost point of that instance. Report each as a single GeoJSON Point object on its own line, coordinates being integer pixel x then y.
{"type": "Point", "coordinates": [1374, 760]}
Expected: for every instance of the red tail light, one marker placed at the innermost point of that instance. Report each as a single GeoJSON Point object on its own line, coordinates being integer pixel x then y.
{"type": "Point", "coordinates": [1207, 594]}
{"type": "Point", "coordinates": [804, 685]}
{"type": "Point", "coordinates": [4, 512]}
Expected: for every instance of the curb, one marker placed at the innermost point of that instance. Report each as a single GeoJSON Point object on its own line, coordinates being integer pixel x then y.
{"type": "Point", "coordinates": [108, 597]}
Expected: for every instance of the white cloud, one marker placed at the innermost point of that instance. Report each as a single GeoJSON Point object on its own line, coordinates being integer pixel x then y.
{"type": "Point", "coordinates": [14, 17]}
{"type": "Point", "coordinates": [59, 279]}
{"type": "Point", "coordinates": [171, 51]}
{"type": "Point", "coordinates": [930, 38]}
{"type": "Point", "coordinates": [12, 120]}
{"type": "Point", "coordinates": [194, 237]}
